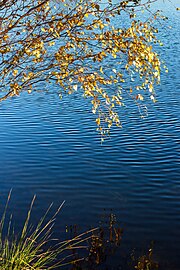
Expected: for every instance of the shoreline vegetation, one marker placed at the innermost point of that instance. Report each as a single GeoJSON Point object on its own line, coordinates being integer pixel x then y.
{"type": "Point", "coordinates": [35, 248]}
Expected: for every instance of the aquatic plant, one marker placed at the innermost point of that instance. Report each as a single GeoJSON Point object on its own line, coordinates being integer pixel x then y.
{"type": "Point", "coordinates": [146, 262]}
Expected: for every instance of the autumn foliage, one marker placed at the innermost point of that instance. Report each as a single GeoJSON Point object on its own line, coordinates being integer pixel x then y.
{"type": "Point", "coordinates": [95, 47]}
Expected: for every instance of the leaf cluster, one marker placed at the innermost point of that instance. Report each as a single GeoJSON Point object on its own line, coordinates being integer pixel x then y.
{"type": "Point", "coordinates": [84, 46]}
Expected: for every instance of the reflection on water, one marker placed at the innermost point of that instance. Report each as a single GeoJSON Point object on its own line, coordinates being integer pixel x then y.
{"type": "Point", "coordinates": [50, 148]}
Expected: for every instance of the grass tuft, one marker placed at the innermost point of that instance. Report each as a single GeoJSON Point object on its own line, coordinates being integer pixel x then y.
{"type": "Point", "coordinates": [34, 248]}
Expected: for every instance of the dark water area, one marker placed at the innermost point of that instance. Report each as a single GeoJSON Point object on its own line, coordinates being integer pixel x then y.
{"type": "Point", "coordinates": [50, 147]}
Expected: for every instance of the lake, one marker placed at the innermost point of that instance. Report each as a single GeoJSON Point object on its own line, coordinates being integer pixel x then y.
{"type": "Point", "coordinates": [50, 147]}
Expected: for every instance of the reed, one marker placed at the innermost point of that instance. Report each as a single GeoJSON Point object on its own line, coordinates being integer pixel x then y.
{"type": "Point", "coordinates": [34, 248]}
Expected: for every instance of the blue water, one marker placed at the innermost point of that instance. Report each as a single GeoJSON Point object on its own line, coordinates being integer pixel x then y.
{"type": "Point", "coordinates": [50, 147]}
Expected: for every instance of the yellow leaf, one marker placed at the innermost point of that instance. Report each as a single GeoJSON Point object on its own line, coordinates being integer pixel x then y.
{"type": "Point", "coordinates": [152, 97]}
{"type": "Point", "coordinates": [51, 43]}
{"type": "Point", "coordinates": [5, 37]}
{"type": "Point", "coordinates": [75, 87]}
{"type": "Point", "coordinates": [140, 97]}
{"type": "Point", "coordinates": [15, 72]}
{"type": "Point", "coordinates": [98, 121]}
{"type": "Point", "coordinates": [101, 70]}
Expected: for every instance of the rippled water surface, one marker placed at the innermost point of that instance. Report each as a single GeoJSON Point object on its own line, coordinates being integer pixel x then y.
{"type": "Point", "coordinates": [50, 148]}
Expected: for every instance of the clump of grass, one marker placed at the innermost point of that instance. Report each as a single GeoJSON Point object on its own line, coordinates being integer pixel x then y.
{"type": "Point", "coordinates": [34, 248]}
